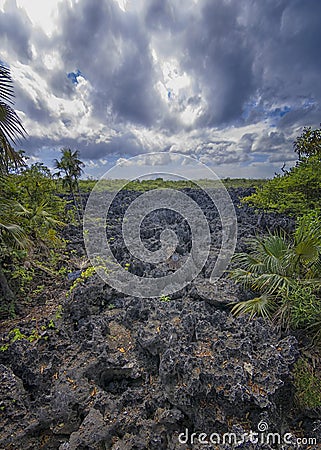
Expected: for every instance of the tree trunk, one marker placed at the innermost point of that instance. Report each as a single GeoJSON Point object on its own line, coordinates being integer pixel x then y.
{"type": "Point", "coordinates": [80, 201]}
{"type": "Point", "coordinates": [76, 206]}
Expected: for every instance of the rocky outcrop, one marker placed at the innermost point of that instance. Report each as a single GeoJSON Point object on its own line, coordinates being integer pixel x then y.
{"type": "Point", "coordinates": [119, 372]}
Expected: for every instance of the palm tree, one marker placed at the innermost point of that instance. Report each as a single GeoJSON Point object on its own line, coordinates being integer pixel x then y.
{"type": "Point", "coordinates": [276, 268]}
{"type": "Point", "coordinates": [11, 127]}
{"type": "Point", "coordinates": [263, 270]}
{"type": "Point", "coordinates": [71, 166]}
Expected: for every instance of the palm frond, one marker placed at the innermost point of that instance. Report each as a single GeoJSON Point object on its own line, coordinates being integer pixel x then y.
{"type": "Point", "coordinates": [315, 330]}
{"type": "Point", "coordinates": [307, 249]}
{"type": "Point", "coordinates": [314, 271]}
{"type": "Point", "coordinates": [11, 127]}
{"type": "Point", "coordinates": [282, 315]}
{"type": "Point", "coordinates": [272, 250]}
{"type": "Point", "coordinates": [71, 165]}
{"type": "Point", "coordinates": [309, 228]}
{"type": "Point", "coordinates": [13, 235]}
{"type": "Point", "coordinates": [44, 217]}
{"type": "Point", "coordinates": [265, 268]}
{"type": "Point", "coordinates": [7, 155]}
{"type": "Point", "coordinates": [272, 283]}
{"type": "Point", "coordinates": [263, 306]}
{"type": "Point", "coordinates": [308, 244]}
{"type": "Point", "coordinates": [6, 85]}
{"type": "Point", "coordinates": [11, 208]}
{"type": "Point", "coordinates": [243, 276]}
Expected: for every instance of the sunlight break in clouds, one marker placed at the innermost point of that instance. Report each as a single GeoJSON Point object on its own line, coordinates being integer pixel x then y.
{"type": "Point", "coordinates": [42, 13]}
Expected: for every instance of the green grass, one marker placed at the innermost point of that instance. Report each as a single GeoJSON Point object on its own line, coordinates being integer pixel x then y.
{"type": "Point", "coordinates": [307, 384]}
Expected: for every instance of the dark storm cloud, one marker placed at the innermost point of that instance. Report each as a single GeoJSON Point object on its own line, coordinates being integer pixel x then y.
{"type": "Point", "coordinates": [15, 31]}
{"type": "Point", "coordinates": [124, 145]}
{"type": "Point", "coordinates": [59, 84]}
{"type": "Point", "coordinates": [271, 140]}
{"type": "Point", "coordinates": [240, 50]}
{"type": "Point", "coordinates": [246, 142]}
{"type": "Point", "coordinates": [118, 146]}
{"type": "Point", "coordinates": [276, 146]}
{"type": "Point", "coordinates": [221, 152]}
{"type": "Point", "coordinates": [112, 50]}
{"type": "Point", "coordinates": [288, 60]}
{"type": "Point", "coordinates": [160, 15]}
{"type": "Point", "coordinates": [302, 116]}
{"type": "Point", "coordinates": [290, 54]}
{"type": "Point", "coordinates": [249, 62]}
{"type": "Point", "coordinates": [220, 57]}
{"type": "Point", "coordinates": [34, 107]}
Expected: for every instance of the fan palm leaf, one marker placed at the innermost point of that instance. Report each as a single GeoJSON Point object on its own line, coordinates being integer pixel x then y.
{"type": "Point", "coordinates": [277, 268]}
{"type": "Point", "coordinates": [263, 306]}
{"type": "Point", "coordinates": [265, 268]}
{"type": "Point", "coordinates": [11, 233]}
{"type": "Point", "coordinates": [43, 218]}
{"type": "Point", "coordinates": [10, 125]}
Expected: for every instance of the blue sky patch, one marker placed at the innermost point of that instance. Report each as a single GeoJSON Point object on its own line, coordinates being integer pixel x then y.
{"type": "Point", "coordinates": [73, 76]}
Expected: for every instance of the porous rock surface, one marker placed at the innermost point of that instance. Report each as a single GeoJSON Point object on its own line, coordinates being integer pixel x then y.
{"type": "Point", "coordinates": [119, 372]}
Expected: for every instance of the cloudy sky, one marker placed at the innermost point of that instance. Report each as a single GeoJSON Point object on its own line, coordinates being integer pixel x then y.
{"type": "Point", "coordinates": [229, 82]}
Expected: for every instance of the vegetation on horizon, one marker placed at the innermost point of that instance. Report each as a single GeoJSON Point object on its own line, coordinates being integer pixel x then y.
{"type": "Point", "coordinates": [160, 183]}
{"type": "Point", "coordinates": [298, 190]}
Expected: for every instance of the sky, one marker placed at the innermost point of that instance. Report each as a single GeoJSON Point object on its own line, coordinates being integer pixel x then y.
{"type": "Point", "coordinates": [230, 83]}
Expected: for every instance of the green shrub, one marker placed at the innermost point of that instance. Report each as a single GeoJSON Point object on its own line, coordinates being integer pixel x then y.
{"type": "Point", "coordinates": [305, 307]}
{"type": "Point", "coordinates": [307, 384]}
{"type": "Point", "coordinates": [284, 272]}
{"type": "Point", "coordinates": [298, 190]}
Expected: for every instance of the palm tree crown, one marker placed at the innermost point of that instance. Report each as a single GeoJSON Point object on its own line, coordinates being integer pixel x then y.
{"type": "Point", "coordinates": [71, 165]}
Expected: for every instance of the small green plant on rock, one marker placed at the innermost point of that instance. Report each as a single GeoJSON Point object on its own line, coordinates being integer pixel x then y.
{"type": "Point", "coordinates": [85, 274]}
{"type": "Point", "coordinates": [14, 336]}
{"type": "Point", "coordinates": [37, 333]}
{"type": "Point", "coordinates": [58, 314]}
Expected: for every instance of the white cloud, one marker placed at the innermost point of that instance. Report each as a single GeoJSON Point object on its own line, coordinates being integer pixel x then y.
{"type": "Point", "coordinates": [70, 117]}
{"type": "Point", "coordinates": [159, 77]}
{"type": "Point", "coordinates": [42, 13]}
{"type": "Point", "coordinates": [123, 4]}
